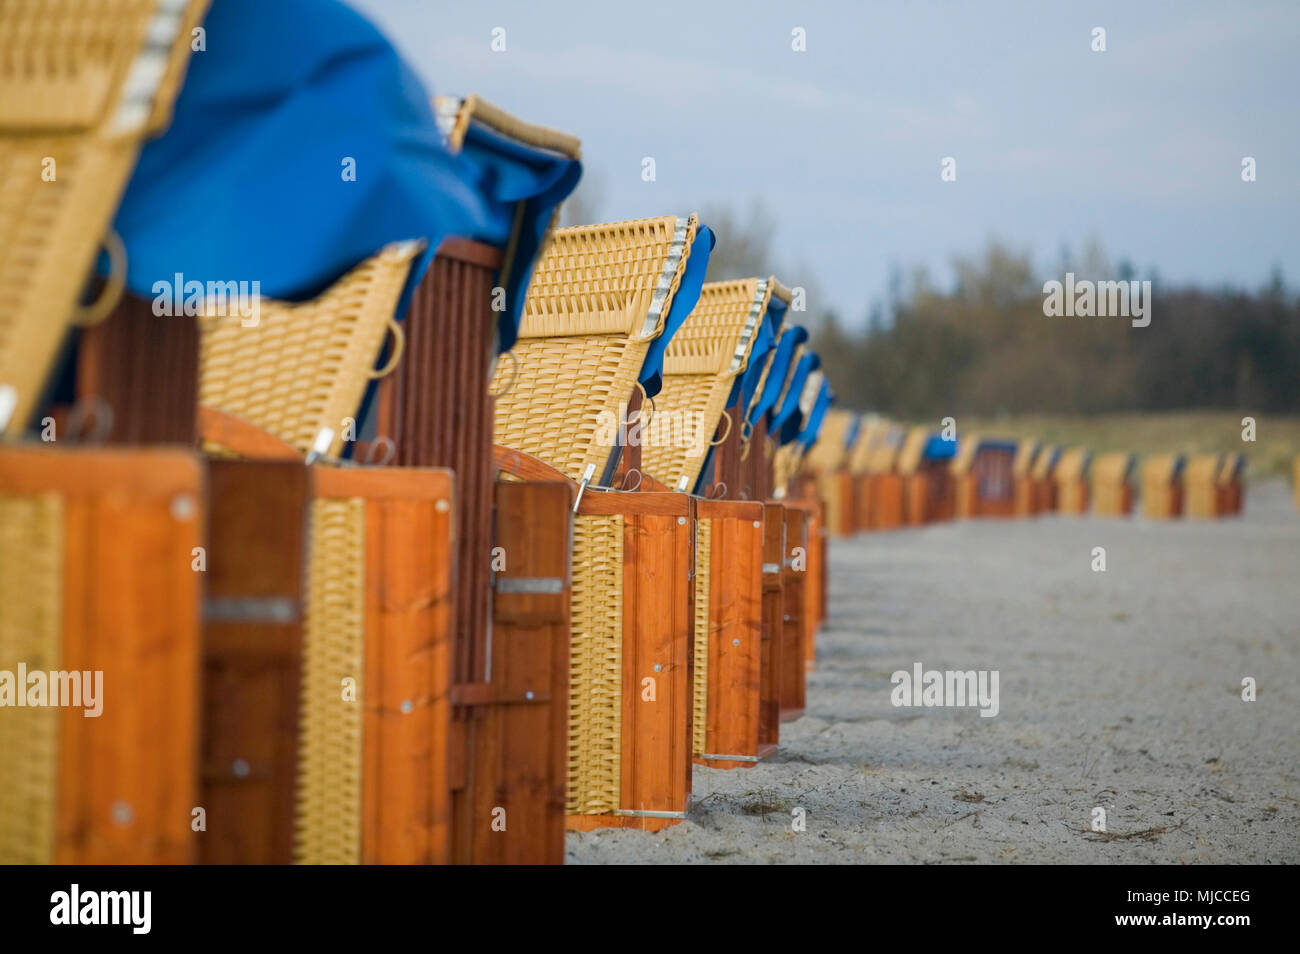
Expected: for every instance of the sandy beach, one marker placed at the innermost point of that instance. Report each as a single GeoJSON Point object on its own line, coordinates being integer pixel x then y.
{"type": "Point", "coordinates": [1119, 689]}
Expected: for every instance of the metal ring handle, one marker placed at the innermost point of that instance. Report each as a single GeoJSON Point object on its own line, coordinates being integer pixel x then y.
{"type": "Point", "coordinates": [640, 412]}
{"type": "Point", "coordinates": [102, 416]}
{"type": "Point", "coordinates": [623, 483]}
{"type": "Point", "coordinates": [399, 345]}
{"type": "Point", "coordinates": [724, 437]}
{"type": "Point", "coordinates": [381, 441]}
{"type": "Point", "coordinates": [87, 316]}
{"type": "Point", "coordinates": [514, 376]}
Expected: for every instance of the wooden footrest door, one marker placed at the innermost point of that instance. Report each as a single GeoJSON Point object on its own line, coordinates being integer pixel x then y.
{"type": "Point", "coordinates": [327, 665]}
{"type": "Point", "coordinates": [515, 723]}
{"type": "Point", "coordinates": [98, 578]}
{"type": "Point", "coordinates": [632, 660]}
{"type": "Point", "coordinates": [728, 637]}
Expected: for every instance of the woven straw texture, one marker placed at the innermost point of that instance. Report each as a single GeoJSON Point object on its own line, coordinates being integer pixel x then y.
{"type": "Point", "coordinates": [1199, 480]}
{"type": "Point", "coordinates": [1110, 475]}
{"type": "Point", "coordinates": [328, 817]}
{"type": "Point", "coordinates": [703, 561]}
{"type": "Point", "coordinates": [1043, 462]}
{"type": "Point", "coordinates": [700, 364]}
{"type": "Point", "coordinates": [31, 626]}
{"type": "Point", "coordinates": [1230, 469]}
{"type": "Point", "coordinates": [785, 464]}
{"type": "Point", "coordinates": [583, 338]}
{"type": "Point", "coordinates": [64, 96]}
{"type": "Point", "coordinates": [830, 453]}
{"type": "Point", "coordinates": [909, 458]}
{"type": "Point", "coordinates": [870, 439]}
{"type": "Point", "coordinates": [1024, 459]}
{"type": "Point", "coordinates": [596, 666]}
{"type": "Point", "coordinates": [304, 367]}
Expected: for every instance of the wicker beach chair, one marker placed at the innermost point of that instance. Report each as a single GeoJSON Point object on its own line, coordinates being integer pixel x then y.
{"type": "Point", "coordinates": [983, 472]}
{"type": "Point", "coordinates": [1161, 479]}
{"type": "Point", "coordinates": [1200, 481]}
{"type": "Point", "coordinates": [1022, 473]}
{"type": "Point", "coordinates": [1071, 476]}
{"type": "Point", "coordinates": [827, 460]}
{"type": "Point", "coordinates": [598, 297]}
{"type": "Point", "coordinates": [297, 372]}
{"type": "Point", "coordinates": [95, 551]}
{"type": "Point", "coordinates": [1112, 484]}
{"type": "Point", "coordinates": [82, 85]}
{"type": "Point", "coordinates": [701, 365]}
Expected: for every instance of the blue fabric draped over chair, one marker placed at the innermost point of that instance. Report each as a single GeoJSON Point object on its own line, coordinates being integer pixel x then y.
{"type": "Point", "coordinates": [301, 145]}
{"type": "Point", "coordinates": [508, 175]}
{"type": "Point", "coordinates": [788, 418]}
{"type": "Point", "coordinates": [684, 302]}
{"type": "Point", "coordinates": [816, 417]}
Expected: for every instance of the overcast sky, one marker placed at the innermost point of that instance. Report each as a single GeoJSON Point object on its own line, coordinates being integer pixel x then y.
{"type": "Point", "coordinates": [1140, 146]}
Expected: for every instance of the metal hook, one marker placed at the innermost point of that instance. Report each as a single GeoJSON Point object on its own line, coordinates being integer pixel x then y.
{"type": "Point", "coordinates": [381, 441]}
{"type": "Point", "coordinates": [101, 415]}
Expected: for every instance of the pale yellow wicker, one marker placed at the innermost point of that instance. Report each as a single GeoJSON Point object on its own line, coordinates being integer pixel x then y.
{"type": "Point", "coordinates": [703, 575]}
{"type": "Point", "coordinates": [785, 464]}
{"type": "Point", "coordinates": [327, 826]}
{"type": "Point", "coordinates": [82, 83]}
{"type": "Point", "coordinates": [31, 626]}
{"type": "Point", "coordinates": [909, 458]}
{"type": "Point", "coordinates": [1044, 461]}
{"type": "Point", "coordinates": [700, 366]}
{"type": "Point", "coordinates": [1229, 469]}
{"type": "Point", "coordinates": [883, 458]}
{"type": "Point", "coordinates": [598, 298]}
{"type": "Point", "coordinates": [1026, 449]}
{"type": "Point", "coordinates": [964, 460]}
{"type": "Point", "coordinates": [870, 437]}
{"type": "Point", "coordinates": [1199, 480]}
{"type": "Point", "coordinates": [596, 666]}
{"type": "Point", "coordinates": [1110, 475]}
{"type": "Point", "coordinates": [303, 368]}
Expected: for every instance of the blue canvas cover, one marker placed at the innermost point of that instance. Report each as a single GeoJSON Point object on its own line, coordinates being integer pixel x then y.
{"type": "Point", "coordinates": [855, 428]}
{"type": "Point", "coordinates": [508, 173]}
{"type": "Point", "coordinates": [779, 367]}
{"type": "Point", "coordinates": [684, 302]}
{"type": "Point", "coordinates": [938, 448]}
{"type": "Point", "coordinates": [248, 182]}
{"type": "Point", "coordinates": [764, 341]}
{"type": "Point", "coordinates": [817, 416]}
{"type": "Point", "coordinates": [788, 419]}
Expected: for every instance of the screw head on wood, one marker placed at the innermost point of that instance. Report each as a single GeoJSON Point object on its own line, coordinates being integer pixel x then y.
{"type": "Point", "coordinates": [758, 524]}
{"type": "Point", "coordinates": [182, 507]}
{"type": "Point", "coordinates": [658, 668]}
{"type": "Point", "coordinates": [680, 521]}
{"type": "Point", "coordinates": [240, 769]}
{"type": "Point", "coordinates": [735, 642]}
{"type": "Point", "coordinates": [442, 506]}
{"type": "Point", "coordinates": [407, 706]}
{"type": "Point", "coordinates": [122, 813]}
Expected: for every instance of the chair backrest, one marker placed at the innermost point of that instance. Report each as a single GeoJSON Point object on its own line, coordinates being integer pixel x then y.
{"type": "Point", "coordinates": [599, 296]}
{"type": "Point", "coordinates": [701, 365]}
{"type": "Point", "coordinates": [80, 90]}
{"type": "Point", "coordinates": [300, 369]}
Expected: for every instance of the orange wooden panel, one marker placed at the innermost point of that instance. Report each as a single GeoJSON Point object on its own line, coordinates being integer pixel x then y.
{"type": "Point", "coordinates": [794, 589]}
{"type": "Point", "coordinates": [511, 808]}
{"type": "Point", "coordinates": [735, 631]}
{"type": "Point", "coordinates": [658, 616]}
{"type": "Point", "coordinates": [126, 782]}
{"type": "Point", "coordinates": [252, 661]}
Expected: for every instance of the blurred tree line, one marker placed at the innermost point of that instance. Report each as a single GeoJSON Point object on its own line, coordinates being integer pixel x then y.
{"type": "Point", "coordinates": [985, 347]}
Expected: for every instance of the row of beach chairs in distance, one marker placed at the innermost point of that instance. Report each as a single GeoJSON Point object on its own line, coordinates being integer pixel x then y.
{"type": "Point", "coordinates": [369, 590]}
{"type": "Point", "coordinates": [874, 474]}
